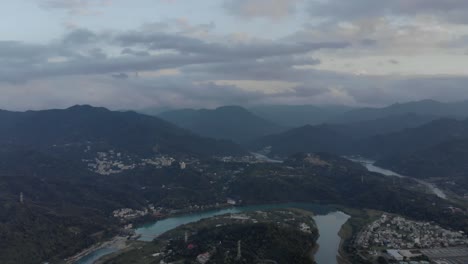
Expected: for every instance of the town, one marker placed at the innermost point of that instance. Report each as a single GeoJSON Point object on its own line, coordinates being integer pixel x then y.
{"type": "Point", "coordinates": [398, 239]}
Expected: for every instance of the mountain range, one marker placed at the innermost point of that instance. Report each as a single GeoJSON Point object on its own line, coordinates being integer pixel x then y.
{"type": "Point", "coordinates": [350, 138]}
{"type": "Point", "coordinates": [228, 122]}
{"type": "Point", "coordinates": [247, 124]}
{"type": "Point", "coordinates": [448, 159]}
{"type": "Point", "coordinates": [299, 115]}
{"type": "Point", "coordinates": [425, 108]}
{"type": "Point", "coordinates": [123, 131]}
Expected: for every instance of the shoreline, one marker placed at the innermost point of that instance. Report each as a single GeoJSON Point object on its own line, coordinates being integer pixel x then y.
{"type": "Point", "coordinates": [117, 242]}
{"type": "Point", "coordinates": [342, 257]}
{"type": "Point", "coordinates": [114, 241]}
{"type": "Point", "coordinates": [346, 232]}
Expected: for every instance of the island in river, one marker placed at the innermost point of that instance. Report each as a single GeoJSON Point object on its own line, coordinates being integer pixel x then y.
{"type": "Point", "coordinates": [273, 236]}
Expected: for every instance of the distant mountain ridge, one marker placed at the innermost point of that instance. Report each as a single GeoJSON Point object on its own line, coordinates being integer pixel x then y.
{"type": "Point", "coordinates": [228, 122]}
{"type": "Point", "coordinates": [424, 107]}
{"type": "Point", "coordinates": [437, 149]}
{"type": "Point", "coordinates": [415, 139]}
{"type": "Point", "coordinates": [126, 131]}
{"type": "Point", "coordinates": [337, 138]}
{"type": "Point", "coordinates": [448, 159]}
{"type": "Point", "coordinates": [299, 115]}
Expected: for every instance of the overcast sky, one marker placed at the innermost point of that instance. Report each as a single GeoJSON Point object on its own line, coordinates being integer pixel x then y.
{"type": "Point", "coordinates": [139, 54]}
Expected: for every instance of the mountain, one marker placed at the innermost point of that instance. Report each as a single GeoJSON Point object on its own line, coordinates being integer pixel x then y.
{"type": "Point", "coordinates": [127, 132]}
{"type": "Point", "coordinates": [425, 108]}
{"type": "Point", "coordinates": [299, 115]}
{"type": "Point", "coordinates": [228, 122]}
{"type": "Point", "coordinates": [153, 111]}
{"type": "Point", "coordinates": [322, 138]}
{"type": "Point", "coordinates": [448, 159]}
{"type": "Point", "coordinates": [336, 138]}
{"type": "Point", "coordinates": [414, 139]}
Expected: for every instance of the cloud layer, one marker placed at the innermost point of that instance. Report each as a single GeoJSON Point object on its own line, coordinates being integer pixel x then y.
{"type": "Point", "coordinates": [355, 52]}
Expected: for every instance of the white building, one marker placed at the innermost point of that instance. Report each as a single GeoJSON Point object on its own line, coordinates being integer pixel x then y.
{"type": "Point", "coordinates": [394, 254]}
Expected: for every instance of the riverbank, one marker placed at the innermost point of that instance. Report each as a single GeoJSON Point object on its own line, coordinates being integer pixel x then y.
{"type": "Point", "coordinates": [117, 243]}
{"type": "Point", "coordinates": [358, 220]}
{"type": "Point", "coordinates": [290, 232]}
{"type": "Point", "coordinates": [130, 246]}
{"type": "Point", "coordinates": [329, 216]}
{"type": "Point", "coordinates": [346, 233]}
{"type": "Point", "coordinates": [370, 166]}
{"type": "Point", "coordinates": [114, 245]}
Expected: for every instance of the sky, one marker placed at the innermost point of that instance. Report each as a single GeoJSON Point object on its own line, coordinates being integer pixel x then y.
{"type": "Point", "coordinates": [142, 54]}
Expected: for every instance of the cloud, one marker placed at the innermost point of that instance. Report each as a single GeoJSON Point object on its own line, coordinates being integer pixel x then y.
{"type": "Point", "coordinates": [20, 51]}
{"type": "Point", "coordinates": [449, 10]}
{"type": "Point", "coordinates": [74, 7]}
{"type": "Point", "coordinates": [121, 76]}
{"type": "Point", "coordinates": [189, 45]}
{"type": "Point", "coordinates": [182, 91]}
{"type": "Point", "coordinates": [273, 9]}
{"type": "Point", "coordinates": [79, 36]}
{"type": "Point", "coordinates": [383, 35]}
{"type": "Point", "coordinates": [177, 64]}
{"type": "Point", "coordinates": [129, 51]}
{"type": "Point", "coordinates": [83, 52]}
{"type": "Point", "coordinates": [458, 42]}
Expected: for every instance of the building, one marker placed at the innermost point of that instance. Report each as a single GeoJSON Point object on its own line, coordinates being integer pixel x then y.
{"type": "Point", "coordinates": [394, 254]}
{"type": "Point", "coordinates": [408, 254]}
{"type": "Point", "coordinates": [182, 165]}
{"type": "Point", "coordinates": [203, 258]}
{"type": "Point", "coordinates": [231, 201]}
{"type": "Point", "coordinates": [166, 162]}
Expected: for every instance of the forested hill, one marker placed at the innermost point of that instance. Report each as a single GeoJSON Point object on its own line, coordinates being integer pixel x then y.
{"type": "Point", "coordinates": [338, 138]}
{"type": "Point", "coordinates": [124, 131]}
{"type": "Point", "coordinates": [415, 139]}
{"type": "Point", "coordinates": [448, 159]}
{"type": "Point", "coordinates": [228, 122]}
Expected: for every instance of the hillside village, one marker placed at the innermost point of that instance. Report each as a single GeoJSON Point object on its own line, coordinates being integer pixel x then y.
{"type": "Point", "coordinates": [397, 239]}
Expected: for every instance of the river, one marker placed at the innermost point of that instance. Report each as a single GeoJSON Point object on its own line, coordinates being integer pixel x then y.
{"type": "Point", "coordinates": [370, 165]}
{"type": "Point", "coordinates": [329, 222]}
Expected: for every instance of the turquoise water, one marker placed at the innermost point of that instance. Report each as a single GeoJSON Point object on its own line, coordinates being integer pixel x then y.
{"type": "Point", "coordinates": [329, 222]}
{"type": "Point", "coordinates": [95, 255]}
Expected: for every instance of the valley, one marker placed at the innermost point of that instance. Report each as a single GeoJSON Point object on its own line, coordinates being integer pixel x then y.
{"type": "Point", "coordinates": [164, 172]}
{"type": "Point", "coordinates": [234, 131]}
